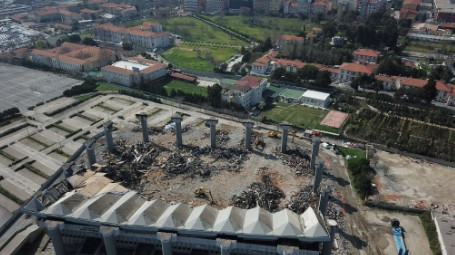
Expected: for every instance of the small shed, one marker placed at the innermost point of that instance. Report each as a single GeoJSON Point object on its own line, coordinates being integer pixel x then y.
{"type": "Point", "coordinates": [315, 98]}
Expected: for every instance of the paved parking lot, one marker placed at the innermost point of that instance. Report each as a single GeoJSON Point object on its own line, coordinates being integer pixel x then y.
{"type": "Point", "coordinates": [23, 87]}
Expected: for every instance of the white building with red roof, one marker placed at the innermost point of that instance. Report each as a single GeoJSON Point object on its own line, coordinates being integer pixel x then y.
{"type": "Point", "coordinates": [133, 71]}
{"type": "Point", "coordinates": [149, 35]}
{"type": "Point", "coordinates": [289, 40]}
{"type": "Point", "coordinates": [350, 71]}
{"type": "Point", "coordinates": [246, 92]}
{"type": "Point", "coordinates": [366, 55]}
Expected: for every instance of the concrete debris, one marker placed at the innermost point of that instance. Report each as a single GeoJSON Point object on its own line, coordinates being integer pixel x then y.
{"type": "Point", "coordinates": [303, 199]}
{"type": "Point", "coordinates": [264, 194]}
{"type": "Point", "coordinates": [222, 137]}
{"type": "Point", "coordinates": [298, 160]}
{"type": "Point", "coordinates": [128, 163]}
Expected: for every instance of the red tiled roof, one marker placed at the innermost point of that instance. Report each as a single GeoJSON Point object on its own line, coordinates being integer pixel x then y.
{"type": "Point", "coordinates": [412, 82]}
{"type": "Point", "coordinates": [358, 68]}
{"type": "Point", "coordinates": [248, 82]}
{"type": "Point", "coordinates": [291, 38]}
{"type": "Point", "coordinates": [385, 78]}
{"type": "Point", "coordinates": [183, 77]}
{"type": "Point", "coordinates": [366, 52]}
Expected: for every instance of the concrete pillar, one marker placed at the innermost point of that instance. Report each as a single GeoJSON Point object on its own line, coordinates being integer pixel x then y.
{"type": "Point", "coordinates": [248, 130]}
{"type": "Point", "coordinates": [53, 230]}
{"type": "Point", "coordinates": [318, 177]}
{"type": "Point", "coordinates": [324, 201]}
{"type": "Point", "coordinates": [90, 152]}
{"type": "Point", "coordinates": [145, 132]}
{"type": "Point", "coordinates": [108, 133]}
{"type": "Point", "coordinates": [68, 169]}
{"type": "Point", "coordinates": [166, 242]}
{"type": "Point", "coordinates": [287, 250]}
{"type": "Point", "coordinates": [212, 123]}
{"type": "Point", "coordinates": [226, 245]}
{"type": "Point", "coordinates": [177, 119]}
{"type": "Point", "coordinates": [284, 136]}
{"type": "Point", "coordinates": [314, 153]}
{"type": "Point", "coordinates": [327, 246]}
{"type": "Point", "coordinates": [108, 234]}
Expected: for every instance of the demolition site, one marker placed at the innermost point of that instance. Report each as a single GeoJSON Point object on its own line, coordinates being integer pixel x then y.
{"type": "Point", "coordinates": [179, 183]}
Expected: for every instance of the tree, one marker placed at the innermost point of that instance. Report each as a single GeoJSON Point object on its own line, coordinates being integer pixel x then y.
{"type": "Point", "coordinates": [246, 57]}
{"type": "Point", "coordinates": [75, 38]}
{"type": "Point", "coordinates": [308, 72]}
{"type": "Point", "coordinates": [391, 65]}
{"type": "Point", "coordinates": [362, 81]}
{"type": "Point", "coordinates": [127, 45]}
{"type": "Point", "coordinates": [75, 26]}
{"type": "Point", "coordinates": [267, 45]}
{"type": "Point", "coordinates": [89, 41]}
{"type": "Point", "coordinates": [278, 73]}
{"type": "Point", "coordinates": [214, 95]}
{"type": "Point", "coordinates": [323, 79]}
{"type": "Point", "coordinates": [429, 90]}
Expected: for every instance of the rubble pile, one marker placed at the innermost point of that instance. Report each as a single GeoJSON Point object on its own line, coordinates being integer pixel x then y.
{"type": "Point", "coordinates": [222, 137]}
{"type": "Point", "coordinates": [264, 194]}
{"type": "Point", "coordinates": [303, 199]}
{"type": "Point", "coordinates": [298, 160]}
{"type": "Point", "coordinates": [129, 162]}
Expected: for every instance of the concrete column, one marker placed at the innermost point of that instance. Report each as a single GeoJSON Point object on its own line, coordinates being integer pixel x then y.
{"type": "Point", "coordinates": [248, 130]}
{"type": "Point", "coordinates": [287, 250]}
{"type": "Point", "coordinates": [108, 133]}
{"type": "Point", "coordinates": [108, 234]}
{"type": "Point", "coordinates": [90, 152]}
{"type": "Point", "coordinates": [318, 177]}
{"type": "Point", "coordinates": [284, 136]}
{"type": "Point", "coordinates": [177, 119]}
{"type": "Point", "coordinates": [212, 123]}
{"type": "Point", "coordinates": [324, 201]}
{"type": "Point", "coordinates": [145, 132]}
{"type": "Point", "coordinates": [68, 169]}
{"type": "Point", "coordinates": [226, 245]}
{"type": "Point", "coordinates": [53, 230]}
{"type": "Point", "coordinates": [166, 242]}
{"type": "Point", "coordinates": [314, 153]}
{"type": "Point", "coordinates": [327, 246]}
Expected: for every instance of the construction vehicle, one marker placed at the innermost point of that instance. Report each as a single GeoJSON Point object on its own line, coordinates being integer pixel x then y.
{"type": "Point", "coordinates": [272, 134]}
{"type": "Point", "coordinates": [398, 236]}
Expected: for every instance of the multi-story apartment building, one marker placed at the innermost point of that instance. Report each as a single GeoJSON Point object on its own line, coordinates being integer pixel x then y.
{"type": "Point", "coordinates": [366, 7]}
{"type": "Point", "coordinates": [304, 6]}
{"type": "Point", "coordinates": [246, 92]}
{"type": "Point", "coordinates": [267, 6]}
{"type": "Point", "coordinates": [289, 40]}
{"type": "Point", "coordinates": [148, 35]}
{"type": "Point", "coordinates": [133, 71]}
{"type": "Point", "coordinates": [74, 58]}
{"type": "Point", "coordinates": [215, 6]}
{"type": "Point", "coordinates": [366, 55]}
{"type": "Point", "coordinates": [350, 71]}
{"type": "Point", "coordinates": [191, 5]}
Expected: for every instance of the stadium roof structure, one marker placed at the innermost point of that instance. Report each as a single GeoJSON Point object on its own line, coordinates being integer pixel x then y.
{"type": "Point", "coordinates": [114, 205]}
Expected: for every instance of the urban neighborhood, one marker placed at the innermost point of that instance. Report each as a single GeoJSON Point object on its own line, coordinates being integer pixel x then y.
{"type": "Point", "coordinates": [227, 127]}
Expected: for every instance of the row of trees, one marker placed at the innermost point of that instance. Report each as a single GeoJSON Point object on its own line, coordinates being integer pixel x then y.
{"type": "Point", "coordinates": [87, 86]}
{"type": "Point", "coordinates": [307, 74]}
{"type": "Point", "coordinates": [9, 114]}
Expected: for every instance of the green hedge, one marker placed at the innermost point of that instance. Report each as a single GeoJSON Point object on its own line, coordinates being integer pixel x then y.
{"type": "Point", "coordinates": [430, 230]}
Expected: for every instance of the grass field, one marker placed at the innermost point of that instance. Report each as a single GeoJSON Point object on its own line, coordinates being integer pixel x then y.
{"type": "Point", "coordinates": [430, 47]}
{"type": "Point", "coordinates": [298, 115]}
{"type": "Point", "coordinates": [192, 30]}
{"type": "Point", "coordinates": [185, 87]}
{"type": "Point", "coordinates": [261, 27]}
{"type": "Point", "coordinates": [357, 153]}
{"type": "Point", "coordinates": [198, 57]}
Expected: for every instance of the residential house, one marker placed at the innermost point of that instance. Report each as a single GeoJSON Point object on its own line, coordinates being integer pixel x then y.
{"type": "Point", "coordinates": [350, 71]}
{"type": "Point", "coordinates": [289, 40]}
{"type": "Point", "coordinates": [133, 71]}
{"type": "Point", "coordinates": [247, 92]}
{"type": "Point", "coordinates": [266, 6]}
{"type": "Point", "coordinates": [291, 7]}
{"type": "Point", "coordinates": [388, 82]}
{"type": "Point", "coordinates": [321, 6]}
{"type": "Point", "coordinates": [149, 35]}
{"type": "Point", "coordinates": [366, 56]}
{"type": "Point", "coordinates": [122, 10]}
{"type": "Point", "coordinates": [74, 58]}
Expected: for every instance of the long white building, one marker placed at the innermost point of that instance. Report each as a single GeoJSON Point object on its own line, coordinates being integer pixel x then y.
{"type": "Point", "coordinates": [133, 71]}
{"type": "Point", "coordinates": [149, 35]}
